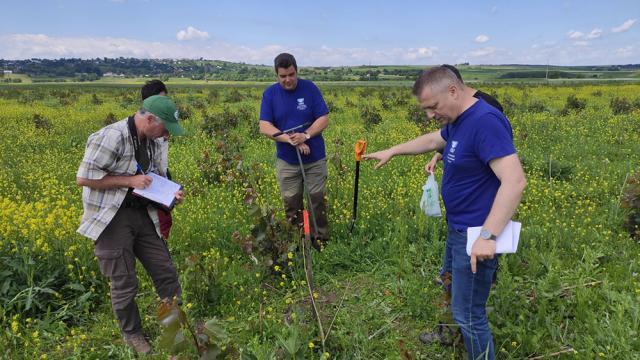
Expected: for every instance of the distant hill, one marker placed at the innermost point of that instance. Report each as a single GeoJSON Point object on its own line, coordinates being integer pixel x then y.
{"type": "Point", "coordinates": [93, 69]}
{"type": "Point", "coordinates": [44, 70]}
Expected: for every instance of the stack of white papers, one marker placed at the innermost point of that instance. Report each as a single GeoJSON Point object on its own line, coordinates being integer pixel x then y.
{"type": "Point", "coordinates": [161, 191]}
{"type": "Point", "coordinates": [506, 243]}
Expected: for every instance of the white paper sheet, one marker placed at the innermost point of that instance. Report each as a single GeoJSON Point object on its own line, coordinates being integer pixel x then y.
{"type": "Point", "coordinates": [161, 190]}
{"type": "Point", "coordinates": [507, 241]}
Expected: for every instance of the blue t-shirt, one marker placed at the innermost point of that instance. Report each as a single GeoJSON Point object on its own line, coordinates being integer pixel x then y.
{"type": "Point", "coordinates": [469, 186]}
{"type": "Point", "coordinates": [286, 109]}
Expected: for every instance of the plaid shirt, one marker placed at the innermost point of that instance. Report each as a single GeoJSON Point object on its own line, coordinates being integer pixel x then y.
{"type": "Point", "coordinates": [110, 151]}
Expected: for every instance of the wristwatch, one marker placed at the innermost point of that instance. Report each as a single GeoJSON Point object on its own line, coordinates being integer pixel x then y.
{"type": "Point", "coordinates": [487, 235]}
{"type": "Point", "coordinates": [306, 135]}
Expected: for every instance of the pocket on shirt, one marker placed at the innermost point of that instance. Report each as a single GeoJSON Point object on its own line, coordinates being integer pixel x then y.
{"type": "Point", "coordinates": [112, 262]}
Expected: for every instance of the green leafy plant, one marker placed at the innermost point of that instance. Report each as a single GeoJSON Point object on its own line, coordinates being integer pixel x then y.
{"type": "Point", "coordinates": [631, 202]}
{"type": "Point", "coordinates": [185, 112]}
{"type": "Point", "coordinates": [536, 106]}
{"type": "Point", "coordinates": [332, 106]}
{"type": "Point", "coordinates": [222, 122]}
{"type": "Point", "coordinates": [222, 166]}
{"type": "Point", "coordinates": [210, 340]}
{"type": "Point", "coordinates": [31, 287]}
{"type": "Point", "coordinates": [573, 103]}
{"type": "Point", "coordinates": [509, 104]}
{"type": "Point", "coordinates": [109, 119]}
{"type": "Point", "coordinates": [95, 100]}
{"type": "Point", "coordinates": [271, 237]}
{"type": "Point", "coordinates": [201, 284]}
{"type": "Point", "coordinates": [41, 122]}
{"type": "Point", "coordinates": [620, 105]}
{"type": "Point", "coordinates": [416, 115]}
{"type": "Point", "coordinates": [234, 96]}
{"type": "Point", "coordinates": [292, 344]}
{"type": "Point", "coordinates": [389, 100]}
{"type": "Point", "coordinates": [370, 115]}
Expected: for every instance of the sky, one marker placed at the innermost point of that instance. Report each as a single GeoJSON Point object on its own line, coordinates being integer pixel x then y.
{"type": "Point", "coordinates": [327, 32]}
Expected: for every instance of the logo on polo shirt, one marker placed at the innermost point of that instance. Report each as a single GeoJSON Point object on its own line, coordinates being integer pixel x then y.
{"type": "Point", "coordinates": [451, 157]}
{"type": "Point", "coordinates": [301, 105]}
{"type": "Point", "coordinates": [453, 146]}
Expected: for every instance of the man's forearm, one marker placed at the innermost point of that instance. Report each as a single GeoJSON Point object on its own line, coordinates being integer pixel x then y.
{"type": "Point", "coordinates": [419, 145]}
{"type": "Point", "coordinates": [107, 182]}
{"type": "Point", "coordinates": [268, 129]}
{"type": "Point", "coordinates": [318, 126]}
{"type": "Point", "coordinates": [504, 205]}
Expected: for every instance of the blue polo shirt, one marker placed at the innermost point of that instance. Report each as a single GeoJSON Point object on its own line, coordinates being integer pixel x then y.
{"type": "Point", "coordinates": [286, 109]}
{"type": "Point", "coordinates": [469, 186]}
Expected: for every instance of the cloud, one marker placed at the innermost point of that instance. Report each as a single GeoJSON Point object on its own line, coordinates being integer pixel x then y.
{"type": "Point", "coordinates": [577, 35]}
{"type": "Point", "coordinates": [543, 45]}
{"type": "Point", "coordinates": [482, 38]}
{"type": "Point", "coordinates": [482, 52]}
{"type": "Point", "coordinates": [595, 33]}
{"type": "Point", "coordinates": [420, 53]}
{"type": "Point", "coordinates": [563, 53]}
{"type": "Point", "coordinates": [26, 46]}
{"type": "Point", "coordinates": [572, 34]}
{"type": "Point", "coordinates": [624, 27]}
{"type": "Point", "coordinates": [626, 51]}
{"type": "Point", "coordinates": [191, 33]}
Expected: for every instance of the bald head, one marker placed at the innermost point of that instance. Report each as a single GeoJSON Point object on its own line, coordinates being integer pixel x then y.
{"type": "Point", "coordinates": [438, 79]}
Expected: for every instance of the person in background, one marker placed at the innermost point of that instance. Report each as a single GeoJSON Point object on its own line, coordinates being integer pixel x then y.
{"type": "Point", "coordinates": [150, 88]}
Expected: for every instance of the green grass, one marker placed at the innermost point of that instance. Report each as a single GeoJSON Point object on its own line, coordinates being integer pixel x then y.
{"type": "Point", "coordinates": [573, 284]}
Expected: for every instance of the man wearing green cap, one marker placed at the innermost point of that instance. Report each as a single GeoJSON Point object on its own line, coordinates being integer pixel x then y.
{"type": "Point", "coordinates": [124, 226]}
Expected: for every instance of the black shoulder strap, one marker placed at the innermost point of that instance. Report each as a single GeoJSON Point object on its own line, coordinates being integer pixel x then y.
{"type": "Point", "coordinates": [134, 135]}
{"type": "Point", "coordinates": [136, 142]}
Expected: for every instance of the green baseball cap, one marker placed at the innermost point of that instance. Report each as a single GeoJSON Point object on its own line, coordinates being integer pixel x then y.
{"type": "Point", "coordinates": [165, 109]}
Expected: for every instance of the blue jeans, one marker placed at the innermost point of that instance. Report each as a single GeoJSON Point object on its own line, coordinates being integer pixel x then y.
{"type": "Point", "coordinates": [469, 294]}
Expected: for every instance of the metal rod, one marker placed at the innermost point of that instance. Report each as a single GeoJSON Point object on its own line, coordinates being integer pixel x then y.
{"type": "Point", "coordinates": [354, 214]}
{"type": "Point", "coordinates": [291, 130]}
{"type": "Point", "coordinates": [306, 191]}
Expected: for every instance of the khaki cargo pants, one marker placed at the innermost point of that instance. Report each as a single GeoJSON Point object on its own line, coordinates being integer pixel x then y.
{"type": "Point", "coordinates": [291, 188]}
{"type": "Point", "coordinates": [130, 235]}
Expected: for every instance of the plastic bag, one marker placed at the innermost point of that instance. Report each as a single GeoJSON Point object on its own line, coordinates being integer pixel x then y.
{"type": "Point", "coordinates": [430, 202]}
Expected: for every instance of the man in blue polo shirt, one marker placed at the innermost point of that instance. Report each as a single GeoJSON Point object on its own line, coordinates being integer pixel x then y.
{"type": "Point", "coordinates": [482, 185]}
{"type": "Point", "coordinates": [289, 103]}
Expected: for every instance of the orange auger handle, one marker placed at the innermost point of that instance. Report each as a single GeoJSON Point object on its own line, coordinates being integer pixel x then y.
{"type": "Point", "coordinates": [361, 145]}
{"type": "Point", "coordinates": [305, 221]}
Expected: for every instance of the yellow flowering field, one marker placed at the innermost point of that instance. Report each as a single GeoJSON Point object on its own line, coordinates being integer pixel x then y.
{"type": "Point", "coordinates": [571, 291]}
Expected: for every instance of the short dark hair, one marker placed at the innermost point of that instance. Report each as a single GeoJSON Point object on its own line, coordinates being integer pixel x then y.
{"type": "Point", "coordinates": [152, 87]}
{"type": "Point", "coordinates": [455, 71]}
{"type": "Point", "coordinates": [435, 76]}
{"type": "Point", "coordinates": [284, 61]}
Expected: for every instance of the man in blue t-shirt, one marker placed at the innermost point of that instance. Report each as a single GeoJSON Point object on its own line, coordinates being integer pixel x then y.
{"type": "Point", "coordinates": [285, 105]}
{"type": "Point", "coordinates": [482, 185]}
{"type": "Point", "coordinates": [446, 333]}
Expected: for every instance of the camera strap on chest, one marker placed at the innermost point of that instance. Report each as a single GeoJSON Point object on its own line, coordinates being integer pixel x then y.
{"type": "Point", "coordinates": [143, 156]}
